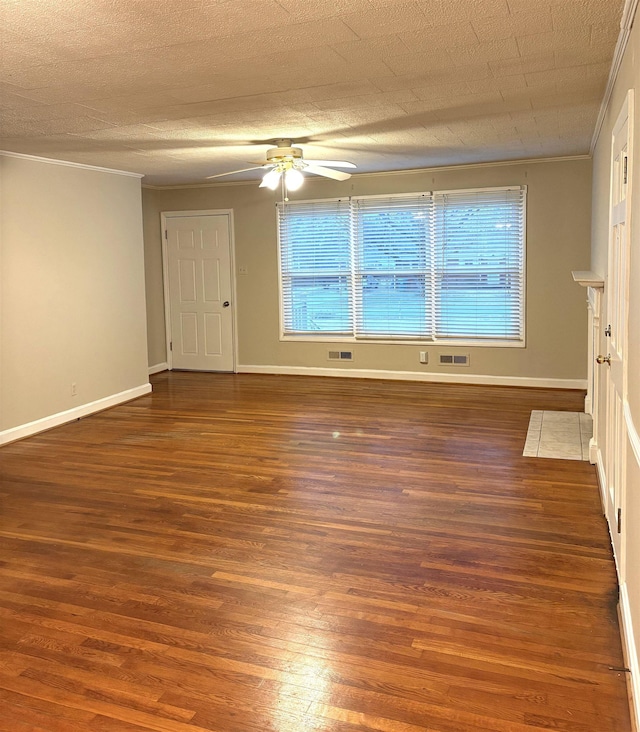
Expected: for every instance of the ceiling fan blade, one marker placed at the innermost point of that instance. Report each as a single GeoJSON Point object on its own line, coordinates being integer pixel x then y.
{"type": "Point", "coordinates": [332, 163]}
{"type": "Point", "coordinates": [233, 172]}
{"type": "Point", "coordinates": [327, 172]}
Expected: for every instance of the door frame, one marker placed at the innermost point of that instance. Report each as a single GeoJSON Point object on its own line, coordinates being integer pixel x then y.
{"type": "Point", "coordinates": [604, 461]}
{"type": "Point", "coordinates": [164, 218]}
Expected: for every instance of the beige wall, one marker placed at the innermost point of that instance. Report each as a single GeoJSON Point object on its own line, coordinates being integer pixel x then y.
{"type": "Point", "coordinates": [558, 226]}
{"type": "Point", "coordinates": [628, 78]}
{"type": "Point", "coordinates": [72, 287]}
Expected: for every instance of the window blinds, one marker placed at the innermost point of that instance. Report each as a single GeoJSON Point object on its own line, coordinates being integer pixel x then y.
{"type": "Point", "coordinates": [392, 266]}
{"type": "Point", "coordinates": [479, 263]}
{"type": "Point", "coordinates": [441, 265]}
{"type": "Point", "coordinates": [315, 266]}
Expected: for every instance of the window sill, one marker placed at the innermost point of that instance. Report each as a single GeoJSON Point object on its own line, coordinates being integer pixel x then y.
{"type": "Point", "coordinates": [424, 342]}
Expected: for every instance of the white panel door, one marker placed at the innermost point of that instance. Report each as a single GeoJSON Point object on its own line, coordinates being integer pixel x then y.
{"type": "Point", "coordinates": [198, 250]}
{"type": "Point", "coordinates": [617, 338]}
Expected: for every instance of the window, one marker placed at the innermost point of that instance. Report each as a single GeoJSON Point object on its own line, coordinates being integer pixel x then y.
{"type": "Point", "coordinates": [315, 257]}
{"type": "Point", "coordinates": [445, 265]}
{"type": "Point", "coordinates": [393, 288]}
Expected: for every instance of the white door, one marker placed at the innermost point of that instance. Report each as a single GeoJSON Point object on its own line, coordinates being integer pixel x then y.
{"type": "Point", "coordinates": [617, 340]}
{"type": "Point", "coordinates": [199, 292]}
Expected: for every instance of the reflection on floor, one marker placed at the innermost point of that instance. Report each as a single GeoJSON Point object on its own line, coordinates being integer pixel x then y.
{"type": "Point", "coordinates": [563, 435]}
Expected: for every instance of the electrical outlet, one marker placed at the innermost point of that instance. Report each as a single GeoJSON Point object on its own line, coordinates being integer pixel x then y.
{"type": "Point", "coordinates": [424, 357]}
{"type": "Point", "coordinates": [74, 389]}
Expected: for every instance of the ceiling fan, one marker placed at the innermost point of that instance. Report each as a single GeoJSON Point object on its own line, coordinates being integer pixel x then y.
{"type": "Point", "coordinates": [286, 163]}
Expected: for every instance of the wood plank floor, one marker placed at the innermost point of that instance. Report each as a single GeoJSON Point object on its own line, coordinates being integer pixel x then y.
{"type": "Point", "coordinates": [244, 553]}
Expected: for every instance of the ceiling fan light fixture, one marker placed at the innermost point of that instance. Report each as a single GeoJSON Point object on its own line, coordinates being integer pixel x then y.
{"type": "Point", "coordinates": [293, 179]}
{"type": "Point", "coordinates": [271, 179]}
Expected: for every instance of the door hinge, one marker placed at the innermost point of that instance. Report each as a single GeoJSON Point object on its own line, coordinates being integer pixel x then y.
{"type": "Point", "coordinates": [607, 331]}
{"type": "Point", "coordinates": [166, 234]}
{"type": "Point", "coordinates": [624, 173]}
{"type": "Point", "coordinates": [171, 345]}
{"type": "Point", "coordinates": [619, 520]}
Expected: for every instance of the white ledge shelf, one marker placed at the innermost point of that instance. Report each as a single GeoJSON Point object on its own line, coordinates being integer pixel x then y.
{"type": "Point", "coordinates": [588, 279]}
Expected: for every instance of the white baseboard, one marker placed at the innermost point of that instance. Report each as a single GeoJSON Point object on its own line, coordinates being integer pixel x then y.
{"type": "Point", "coordinates": [158, 368]}
{"type": "Point", "coordinates": [628, 638]}
{"type": "Point", "coordinates": [602, 480]}
{"type": "Point", "coordinates": [626, 621]}
{"type": "Point", "coordinates": [54, 420]}
{"type": "Point", "coordinates": [631, 654]}
{"type": "Point", "coordinates": [588, 407]}
{"type": "Point", "coordinates": [417, 376]}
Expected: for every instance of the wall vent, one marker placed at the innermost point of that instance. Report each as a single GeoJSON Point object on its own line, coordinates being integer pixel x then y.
{"type": "Point", "coordinates": [450, 359]}
{"type": "Point", "coordinates": [340, 356]}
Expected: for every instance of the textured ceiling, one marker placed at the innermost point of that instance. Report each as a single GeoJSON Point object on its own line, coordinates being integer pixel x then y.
{"type": "Point", "coordinates": [176, 89]}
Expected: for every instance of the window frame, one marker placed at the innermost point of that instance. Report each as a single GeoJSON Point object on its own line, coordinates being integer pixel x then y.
{"type": "Point", "coordinates": [405, 339]}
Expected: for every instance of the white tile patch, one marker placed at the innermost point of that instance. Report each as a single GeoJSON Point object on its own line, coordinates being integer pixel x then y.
{"type": "Point", "coordinates": [561, 435]}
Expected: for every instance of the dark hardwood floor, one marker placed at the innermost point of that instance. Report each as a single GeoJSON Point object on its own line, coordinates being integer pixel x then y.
{"type": "Point", "coordinates": [243, 553]}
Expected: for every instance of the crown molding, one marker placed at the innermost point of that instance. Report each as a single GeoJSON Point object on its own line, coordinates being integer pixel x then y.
{"type": "Point", "coordinates": [68, 164]}
{"type": "Point", "coordinates": [626, 24]}
{"type": "Point", "coordinates": [378, 174]}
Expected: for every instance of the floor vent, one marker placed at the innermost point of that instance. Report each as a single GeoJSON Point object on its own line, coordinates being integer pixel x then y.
{"type": "Point", "coordinates": [449, 359]}
{"type": "Point", "coordinates": [340, 355]}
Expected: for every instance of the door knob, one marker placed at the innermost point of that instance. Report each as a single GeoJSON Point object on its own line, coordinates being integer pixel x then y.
{"type": "Point", "coordinates": [604, 359]}
{"type": "Point", "coordinates": [225, 304]}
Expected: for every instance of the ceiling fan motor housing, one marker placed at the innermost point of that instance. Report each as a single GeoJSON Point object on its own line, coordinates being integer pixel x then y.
{"type": "Point", "coordinates": [284, 152]}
